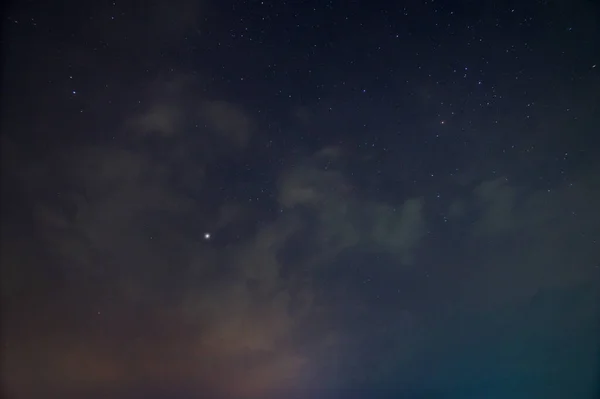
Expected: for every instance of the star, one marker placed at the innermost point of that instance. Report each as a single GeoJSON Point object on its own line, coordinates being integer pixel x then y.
{"type": "Point", "coordinates": [207, 236]}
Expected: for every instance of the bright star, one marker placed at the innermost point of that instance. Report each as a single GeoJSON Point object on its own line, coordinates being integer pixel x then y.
{"type": "Point", "coordinates": [207, 236]}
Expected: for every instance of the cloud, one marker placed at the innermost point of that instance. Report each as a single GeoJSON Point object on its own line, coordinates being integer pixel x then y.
{"type": "Point", "coordinates": [127, 235]}
{"type": "Point", "coordinates": [524, 239]}
{"type": "Point", "coordinates": [174, 108]}
{"type": "Point", "coordinates": [129, 238]}
{"type": "Point", "coordinates": [162, 120]}
{"type": "Point", "coordinates": [229, 120]}
{"type": "Point", "coordinates": [400, 231]}
{"type": "Point", "coordinates": [107, 216]}
{"type": "Point", "coordinates": [308, 185]}
{"type": "Point", "coordinates": [346, 219]}
{"type": "Point", "coordinates": [132, 239]}
{"type": "Point", "coordinates": [497, 199]}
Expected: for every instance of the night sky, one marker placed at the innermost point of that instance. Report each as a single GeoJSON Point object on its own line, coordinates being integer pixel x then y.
{"type": "Point", "coordinates": [300, 199]}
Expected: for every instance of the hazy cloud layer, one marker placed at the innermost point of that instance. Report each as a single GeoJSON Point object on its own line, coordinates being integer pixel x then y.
{"type": "Point", "coordinates": [124, 227]}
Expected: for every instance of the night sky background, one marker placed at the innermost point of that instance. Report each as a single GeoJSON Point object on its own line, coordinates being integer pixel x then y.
{"type": "Point", "coordinates": [300, 199]}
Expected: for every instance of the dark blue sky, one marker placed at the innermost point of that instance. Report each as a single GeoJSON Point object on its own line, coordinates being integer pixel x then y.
{"type": "Point", "coordinates": [258, 199]}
